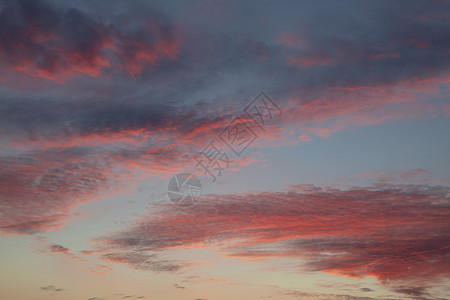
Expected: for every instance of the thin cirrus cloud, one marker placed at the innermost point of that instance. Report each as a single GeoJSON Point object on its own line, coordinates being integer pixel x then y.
{"type": "Point", "coordinates": [381, 231]}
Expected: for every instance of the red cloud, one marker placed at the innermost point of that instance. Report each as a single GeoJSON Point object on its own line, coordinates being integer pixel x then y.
{"type": "Point", "coordinates": [59, 44]}
{"type": "Point", "coordinates": [36, 198]}
{"type": "Point", "coordinates": [340, 108]}
{"type": "Point", "coordinates": [397, 233]}
{"type": "Point", "coordinates": [39, 192]}
{"type": "Point", "coordinates": [54, 173]}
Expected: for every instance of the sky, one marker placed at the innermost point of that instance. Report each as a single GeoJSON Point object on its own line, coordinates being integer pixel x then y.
{"type": "Point", "coordinates": [216, 150]}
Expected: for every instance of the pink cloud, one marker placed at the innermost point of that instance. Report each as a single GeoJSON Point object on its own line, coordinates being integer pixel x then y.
{"type": "Point", "coordinates": [54, 49]}
{"type": "Point", "coordinates": [446, 111]}
{"type": "Point", "coordinates": [382, 231]}
{"type": "Point", "coordinates": [342, 108]}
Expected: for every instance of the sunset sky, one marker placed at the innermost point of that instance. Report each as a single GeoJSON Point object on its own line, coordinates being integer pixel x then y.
{"type": "Point", "coordinates": [319, 133]}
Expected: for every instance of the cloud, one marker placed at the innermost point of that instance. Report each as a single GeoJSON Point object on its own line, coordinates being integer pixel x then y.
{"type": "Point", "coordinates": [397, 233]}
{"type": "Point", "coordinates": [51, 288]}
{"type": "Point", "coordinates": [118, 296]}
{"type": "Point", "coordinates": [159, 87]}
{"type": "Point", "coordinates": [339, 109]}
{"type": "Point", "coordinates": [40, 190]}
{"type": "Point", "coordinates": [179, 286]}
{"type": "Point", "coordinates": [446, 111]}
{"type": "Point", "coordinates": [399, 176]}
{"type": "Point", "coordinates": [70, 145]}
{"type": "Point", "coordinates": [320, 296]}
{"type": "Point", "coordinates": [55, 248]}
{"type": "Point", "coordinates": [83, 123]}
{"type": "Point", "coordinates": [72, 150]}
{"type": "Point", "coordinates": [67, 256]}
{"type": "Point", "coordinates": [59, 156]}
{"type": "Point", "coordinates": [44, 41]}
{"type": "Point", "coordinates": [142, 261]}
{"type": "Point", "coordinates": [378, 36]}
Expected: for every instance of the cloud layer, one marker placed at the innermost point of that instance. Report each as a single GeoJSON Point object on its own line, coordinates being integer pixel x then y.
{"type": "Point", "coordinates": [397, 233]}
{"type": "Point", "coordinates": [95, 95]}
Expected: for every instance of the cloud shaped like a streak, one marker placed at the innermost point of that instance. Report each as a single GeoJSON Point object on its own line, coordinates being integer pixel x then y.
{"type": "Point", "coordinates": [397, 233]}
{"type": "Point", "coordinates": [66, 155]}
{"type": "Point", "coordinates": [45, 41]}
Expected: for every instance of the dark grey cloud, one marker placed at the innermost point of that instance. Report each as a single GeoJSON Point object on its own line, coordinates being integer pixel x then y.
{"type": "Point", "coordinates": [179, 286]}
{"type": "Point", "coordinates": [51, 41]}
{"type": "Point", "coordinates": [49, 118]}
{"type": "Point", "coordinates": [348, 44]}
{"type": "Point", "coordinates": [373, 45]}
{"type": "Point", "coordinates": [51, 288]}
